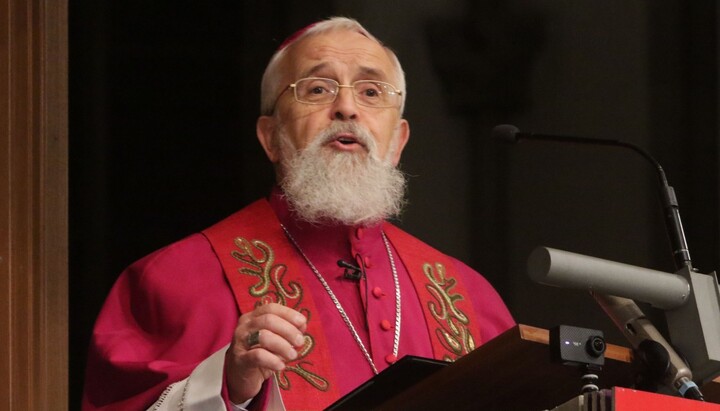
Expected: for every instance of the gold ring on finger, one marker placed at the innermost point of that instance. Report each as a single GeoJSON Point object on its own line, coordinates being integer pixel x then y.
{"type": "Point", "coordinates": [253, 339]}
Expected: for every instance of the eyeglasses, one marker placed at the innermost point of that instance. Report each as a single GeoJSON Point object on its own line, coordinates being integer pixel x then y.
{"type": "Point", "coordinates": [370, 93]}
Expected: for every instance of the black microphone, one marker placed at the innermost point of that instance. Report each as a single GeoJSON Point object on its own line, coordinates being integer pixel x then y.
{"type": "Point", "coordinates": [681, 254]}
{"type": "Point", "coordinates": [352, 272]}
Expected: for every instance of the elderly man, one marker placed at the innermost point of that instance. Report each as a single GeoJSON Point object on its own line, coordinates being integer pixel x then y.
{"type": "Point", "coordinates": [299, 298]}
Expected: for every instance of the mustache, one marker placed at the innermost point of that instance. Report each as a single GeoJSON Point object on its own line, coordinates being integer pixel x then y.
{"type": "Point", "coordinates": [361, 134]}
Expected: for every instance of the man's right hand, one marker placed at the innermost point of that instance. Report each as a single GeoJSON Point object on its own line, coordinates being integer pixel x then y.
{"type": "Point", "coordinates": [264, 340]}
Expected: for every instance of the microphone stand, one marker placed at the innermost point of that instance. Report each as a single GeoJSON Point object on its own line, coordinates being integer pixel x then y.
{"type": "Point", "coordinates": [700, 312]}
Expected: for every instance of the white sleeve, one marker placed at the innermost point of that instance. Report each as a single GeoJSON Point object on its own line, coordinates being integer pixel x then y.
{"type": "Point", "coordinates": [202, 390]}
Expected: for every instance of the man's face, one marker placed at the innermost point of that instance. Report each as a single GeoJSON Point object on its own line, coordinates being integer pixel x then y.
{"type": "Point", "coordinates": [344, 56]}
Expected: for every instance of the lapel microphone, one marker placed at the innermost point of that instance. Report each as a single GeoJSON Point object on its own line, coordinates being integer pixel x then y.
{"type": "Point", "coordinates": [352, 272]}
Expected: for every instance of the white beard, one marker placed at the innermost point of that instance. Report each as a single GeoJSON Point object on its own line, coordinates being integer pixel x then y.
{"type": "Point", "coordinates": [323, 185]}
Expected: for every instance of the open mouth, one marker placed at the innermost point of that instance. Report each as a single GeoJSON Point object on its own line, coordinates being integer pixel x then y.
{"type": "Point", "coordinates": [346, 141]}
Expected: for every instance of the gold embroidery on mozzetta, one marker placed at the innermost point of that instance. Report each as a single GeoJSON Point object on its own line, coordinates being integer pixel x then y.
{"type": "Point", "coordinates": [260, 257]}
{"type": "Point", "coordinates": [453, 332]}
{"type": "Point", "coordinates": [312, 378]}
{"type": "Point", "coordinates": [260, 260]}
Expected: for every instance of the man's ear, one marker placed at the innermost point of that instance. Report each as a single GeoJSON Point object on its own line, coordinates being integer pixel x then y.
{"type": "Point", "coordinates": [265, 130]}
{"type": "Point", "coordinates": [403, 135]}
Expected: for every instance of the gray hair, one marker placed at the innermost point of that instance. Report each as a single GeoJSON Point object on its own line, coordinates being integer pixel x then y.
{"type": "Point", "coordinates": [271, 87]}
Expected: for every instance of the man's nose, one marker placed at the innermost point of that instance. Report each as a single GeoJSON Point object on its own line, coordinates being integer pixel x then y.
{"type": "Point", "coordinates": [344, 106]}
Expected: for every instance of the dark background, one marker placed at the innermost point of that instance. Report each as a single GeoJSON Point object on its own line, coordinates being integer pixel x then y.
{"type": "Point", "coordinates": [164, 97]}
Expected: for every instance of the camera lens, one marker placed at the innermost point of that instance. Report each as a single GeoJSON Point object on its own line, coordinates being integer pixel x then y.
{"type": "Point", "coordinates": [596, 346]}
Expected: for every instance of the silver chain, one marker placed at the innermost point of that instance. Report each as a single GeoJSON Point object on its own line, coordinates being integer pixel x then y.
{"type": "Point", "coordinates": [346, 319]}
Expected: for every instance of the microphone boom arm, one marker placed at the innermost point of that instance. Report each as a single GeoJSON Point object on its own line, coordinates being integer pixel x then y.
{"type": "Point", "coordinates": [673, 223]}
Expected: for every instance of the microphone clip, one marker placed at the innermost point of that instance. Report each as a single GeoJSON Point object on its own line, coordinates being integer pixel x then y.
{"type": "Point", "coordinates": [352, 272]}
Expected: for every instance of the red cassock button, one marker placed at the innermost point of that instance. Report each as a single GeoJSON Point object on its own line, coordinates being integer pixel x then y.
{"type": "Point", "coordinates": [391, 358]}
{"type": "Point", "coordinates": [378, 292]}
{"type": "Point", "coordinates": [367, 261]}
{"type": "Point", "coordinates": [359, 233]}
{"type": "Point", "coordinates": [385, 325]}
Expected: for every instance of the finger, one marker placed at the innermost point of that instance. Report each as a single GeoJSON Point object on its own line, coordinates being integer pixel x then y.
{"type": "Point", "coordinates": [260, 359]}
{"type": "Point", "coordinates": [273, 343]}
{"type": "Point", "coordinates": [275, 325]}
{"type": "Point", "coordinates": [288, 314]}
{"type": "Point", "coordinates": [281, 320]}
{"type": "Point", "coordinates": [275, 350]}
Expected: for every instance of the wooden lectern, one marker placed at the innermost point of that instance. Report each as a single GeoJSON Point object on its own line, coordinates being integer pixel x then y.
{"type": "Point", "coordinates": [514, 372]}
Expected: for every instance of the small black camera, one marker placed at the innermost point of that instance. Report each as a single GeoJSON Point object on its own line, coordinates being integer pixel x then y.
{"type": "Point", "coordinates": [577, 346]}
